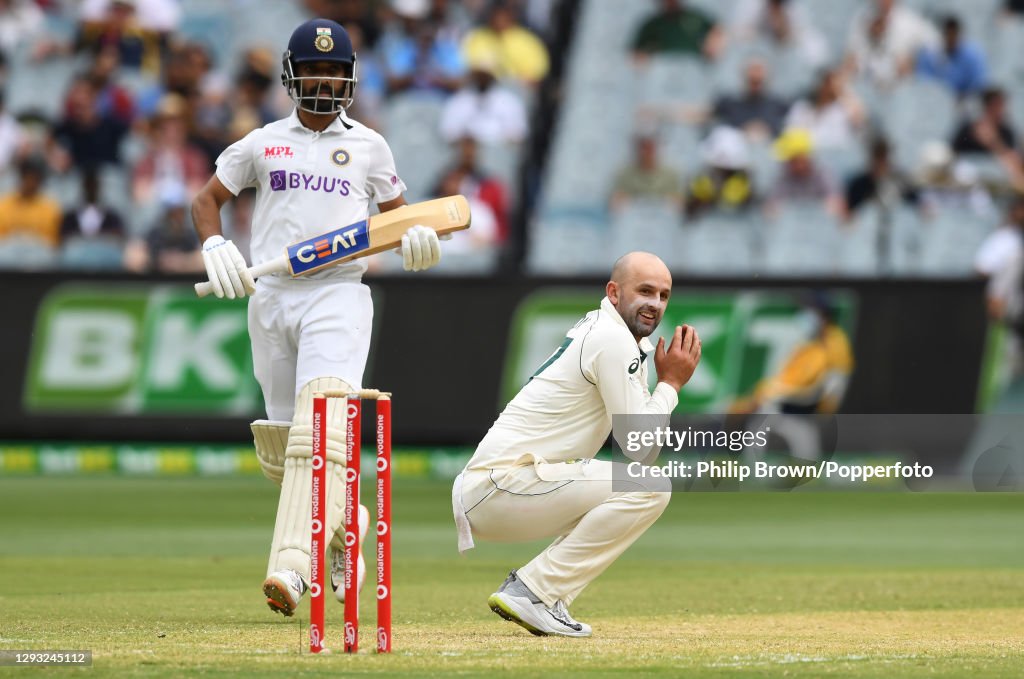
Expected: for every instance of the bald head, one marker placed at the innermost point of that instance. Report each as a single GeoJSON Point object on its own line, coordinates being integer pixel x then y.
{"type": "Point", "coordinates": [638, 264]}
{"type": "Point", "coordinates": [639, 289]}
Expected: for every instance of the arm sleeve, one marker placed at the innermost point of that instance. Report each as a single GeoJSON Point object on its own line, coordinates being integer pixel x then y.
{"type": "Point", "coordinates": [235, 167]}
{"type": "Point", "coordinates": [383, 183]}
{"type": "Point", "coordinates": [607, 363]}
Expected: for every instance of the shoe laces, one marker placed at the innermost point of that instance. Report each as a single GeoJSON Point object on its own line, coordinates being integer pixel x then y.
{"type": "Point", "coordinates": [560, 613]}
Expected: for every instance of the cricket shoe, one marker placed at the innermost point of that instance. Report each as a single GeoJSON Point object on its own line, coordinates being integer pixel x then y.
{"type": "Point", "coordinates": [284, 590]}
{"type": "Point", "coordinates": [338, 559]}
{"type": "Point", "coordinates": [515, 602]}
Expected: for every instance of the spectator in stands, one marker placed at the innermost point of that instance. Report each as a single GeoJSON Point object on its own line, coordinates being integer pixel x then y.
{"type": "Point", "coordinates": [484, 109]}
{"type": "Point", "coordinates": [678, 29]}
{"type": "Point", "coordinates": [12, 137]}
{"type": "Point", "coordinates": [91, 218]}
{"type": "Point", "coordinates": [90, 135]}
{"type": "Point", "coordinates": [138, 47]}
{"type": "Point", "coordinates": [518, 53]}
{"type": "Point", "coordinates": [20, 22]}
{"type": "Point", "coordinates": [159, 16]}
{"type": "Point", "coordinates": [1004, 245]}
{"type": "Point", "coordinates": [171, 159]}
{"type": "Point", "coordinates": [990, 132]}
{"type": "Point", "coordinates": [724, 184]}
{"type": "Point", "coordinates": [253, 81]}
{"type": "Point", "coordinates": [801, 180]}
{"type": "Point", "coordinates": [111, 99]}
{"type": "Point", "coordinates": [171, 245]}
{"type": "Point", "coordinates": [475, 182]}
{"type": "Point", "coordinates": [27, 213]}
{"type": "Point", "coordinates": [415, 57]}
{"type": "Point", "coordinates": [884, 40]}
{"type": "Point", "coordinates": [187, 66]}
{"type": "Point", "coordinates": [814, 376]}
{"type": "Point", "coordinates": [756, 111]}
{"type": "Point", "coordinates": [879, 183]}
{"type": "Point", "coordinates": [646, 179]}
{"type": "Point", "coordinates": [832, 113]}
{"type": "Point", "coordinates": [947, 184]}
{"type": "Point", "coordinates": [350, 13]}
{"type": "Point", "coordinates": [485, 234]}
{"type": "Point", "coordinates": [782, 23]}
{"type": "Point", "coordinates": [373, 85]}
{"type": "Point", "coordinates": [958, 64]}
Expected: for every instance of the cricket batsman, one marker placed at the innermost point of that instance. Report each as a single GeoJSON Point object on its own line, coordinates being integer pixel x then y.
{"type": "Point", "coordinates": [315, 169]}
{"type": "Point", "coordinates": [534, 474]}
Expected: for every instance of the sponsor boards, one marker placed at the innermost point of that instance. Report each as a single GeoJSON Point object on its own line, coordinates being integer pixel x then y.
{"type": "Point", "coordinates": [121, 349]}
{"type": "Point", "coordinates": [744, 335]}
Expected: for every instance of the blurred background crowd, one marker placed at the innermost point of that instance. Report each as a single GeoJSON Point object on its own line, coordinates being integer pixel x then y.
{"type": "Point", "coordinates": [738, 137]}
{"type": "Point", "coordinates": [114, 111]}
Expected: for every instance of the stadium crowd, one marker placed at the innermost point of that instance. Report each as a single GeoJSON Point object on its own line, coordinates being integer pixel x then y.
{"type": "Point", "coordinates": [786, 115]}
{"type": "Point", "coordinates": [148, 102]}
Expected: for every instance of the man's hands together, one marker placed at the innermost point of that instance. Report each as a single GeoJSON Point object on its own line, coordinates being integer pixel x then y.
{"type": "Point", "coordinates": [675, 364]}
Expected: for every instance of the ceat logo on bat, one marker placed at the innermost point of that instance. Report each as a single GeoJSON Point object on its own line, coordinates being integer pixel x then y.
{"type": "Point", "coordinates": [325, 249]}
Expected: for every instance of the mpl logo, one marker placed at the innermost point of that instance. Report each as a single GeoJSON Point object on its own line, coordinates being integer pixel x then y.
{"type": "Point", "coordinates": [278, 152]}
{"type": "Point", "coordinates": [320, 251]}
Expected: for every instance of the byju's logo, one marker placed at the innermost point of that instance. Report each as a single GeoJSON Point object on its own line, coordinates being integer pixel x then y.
{"type": "Point", "coordinates": [282, 180]}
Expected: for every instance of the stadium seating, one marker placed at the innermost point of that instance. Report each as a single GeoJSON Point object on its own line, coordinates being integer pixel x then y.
{"type": "Point", "coordinates": [587, 150]}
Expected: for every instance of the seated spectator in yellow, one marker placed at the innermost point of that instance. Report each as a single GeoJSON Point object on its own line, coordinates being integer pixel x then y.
{"type": "Point", "coordinates": [27, 213]}
{"type": "Point", "coordinates": [814, 377]}
{"type": "Point", "coordinates": [802, 181]}
{"type": "Point", "coordinates": [724, 183]}
{"type": "Point", "coordinates": [519, 54]}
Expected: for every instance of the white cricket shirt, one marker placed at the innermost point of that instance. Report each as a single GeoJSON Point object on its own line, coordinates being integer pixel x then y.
{"type": "Point", "coordinates": [565, 411]}
{"type": "Point", "coordinates": [308, 183]}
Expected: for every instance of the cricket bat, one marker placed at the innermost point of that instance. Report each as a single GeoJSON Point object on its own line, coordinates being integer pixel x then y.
{"type": "Point", "coordinates": [362, 239]}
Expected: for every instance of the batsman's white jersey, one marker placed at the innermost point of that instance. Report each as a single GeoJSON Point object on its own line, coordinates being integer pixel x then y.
{"type": "Point", "coordinates": [565, 411]}
{"type": "Point", "coordinates": [308, 183]}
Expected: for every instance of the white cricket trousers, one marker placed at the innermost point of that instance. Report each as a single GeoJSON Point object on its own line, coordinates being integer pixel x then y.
{"type": "Point", "coordinates": [571, 501]}
{"type": "Point", "coordinates": [301, 329]}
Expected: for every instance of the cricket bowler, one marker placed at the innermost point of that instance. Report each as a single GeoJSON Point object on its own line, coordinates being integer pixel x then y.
{"type": "Point", "coordinates": [534, 474]}
{"type": "Point", "coordinates": [314, 169]}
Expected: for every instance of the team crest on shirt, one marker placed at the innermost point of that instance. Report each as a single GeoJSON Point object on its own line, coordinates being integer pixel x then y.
{"type": "Point", "coordinates": [324, 42]}
{"type": "Point", "coordinates": [340, 157]}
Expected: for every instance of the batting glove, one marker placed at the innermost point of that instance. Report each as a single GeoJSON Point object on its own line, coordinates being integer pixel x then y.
{"type": "Point", "coordinates": [226, 268]}
{"type": "Point", "coordinates": [421, 248]}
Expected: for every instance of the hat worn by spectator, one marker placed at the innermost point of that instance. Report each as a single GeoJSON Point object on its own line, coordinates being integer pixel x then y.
{"type": "Point", "coordinates": [792, 143]}
{"type": "Point", "coordinates": [726, 148]}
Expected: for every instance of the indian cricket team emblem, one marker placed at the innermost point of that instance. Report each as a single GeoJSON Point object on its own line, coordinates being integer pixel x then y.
{"type": "Point", "coordinates": [340, 157]}
{"type": "Point", "coordinates": [324, 42]}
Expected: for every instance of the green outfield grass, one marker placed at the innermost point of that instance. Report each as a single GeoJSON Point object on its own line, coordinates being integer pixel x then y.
{"type": "Point", "coordinates": [162, 578]}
